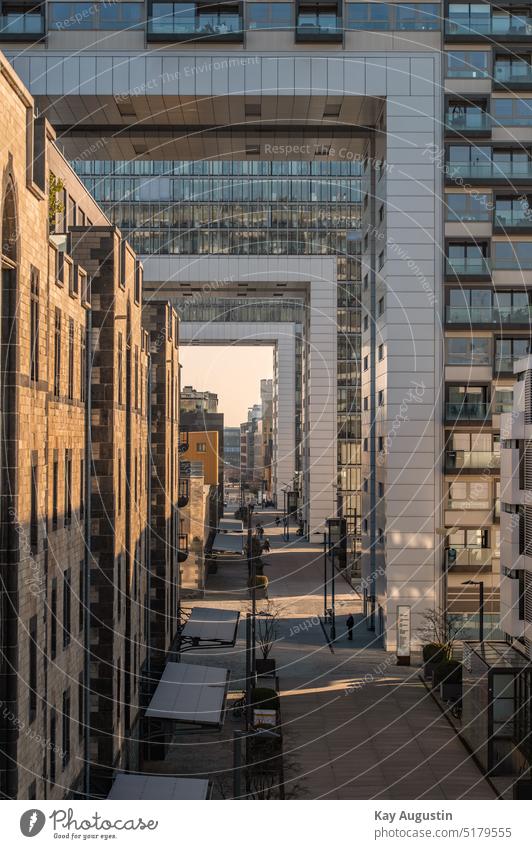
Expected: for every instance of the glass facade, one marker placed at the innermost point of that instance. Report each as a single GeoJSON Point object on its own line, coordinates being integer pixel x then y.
{"type": "Point", "coordinates": [261, 208]}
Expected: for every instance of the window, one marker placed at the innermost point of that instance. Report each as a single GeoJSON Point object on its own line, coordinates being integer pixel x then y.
{"type": "Point", "coordinates": [380, 263]}
{"type": "Point", "coordinates": [393, 16]}
{"type": "Point", "coordinates": [82, 364]}
{"type": "Point", "coordinates": [380, 307]}
{"type": "Point", "coordinates": [68, 488]}
{"type": "Point", "coordinates": [71, 359]}
{"type": "Point", "coordinates": [81, 487]}
{"type": "Point", "coordinates": [503, 401]}
{"type": "Point", "coordinates": [34, 325]}
{"type": "Point", "coordinates": [507, 351]}
{"type": "Point", "coordinates": [53, 745]}
{"type": "Point", "coordinates": [365, 363]}
{"type": "Point", "coordinates": [81, 702]}
{"type": "Point", "coordinates": [57, 353]}
{"type": "Point", "coordinates": [512, 255]}
{"type": "Point", "coordinates": [201, 447]}
{"type": "Point", "coordinates": [468, 64]}
{"type": "Point", "coordinates": [380, 397]}
{"type": "Point", "coordinates": [34, 505]}
{"type": "Point", "coordinates": [469, 495]}
{"type": "Point", "coordinates": [32, 683]}
{"type": "Point", "coordinates": [465, 206]}
{"type": "Point", "coordinates": [120, 369]}
{"type": "Point", "coordinates": [381, 352]}
{"type": "Point", "coordinates": [81, 594]}
{"type": "Point", "coordinates": [95, 16]}
{"type": "Point", "coordinates": [269, 15]}
{"type": "Point", "coordinates": [53, 619]}
{"type": "Point", "coordinates": [468, 350]}
{"type": "Point", "coordinates": [512, 111]}
{"type": "Point", "coordinates": [55, 487]}
{"type": "Point", "coordinates": [119, 493]}
{"type": "Point", "coordinates": [66, 729]}
{"type": "Point", "coordinates": [366, 322]}
{"type": "Point", "coordinates": [136, 390]}
{"type": "Point", "coordinates": [67, 606]}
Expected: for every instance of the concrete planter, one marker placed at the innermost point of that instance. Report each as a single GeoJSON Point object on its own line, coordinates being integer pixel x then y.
{"type": "Point", "coordinates": [450, 692]}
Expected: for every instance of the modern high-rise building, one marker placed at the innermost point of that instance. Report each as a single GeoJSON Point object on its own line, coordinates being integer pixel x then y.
{"type": "Point", "coordinates": [370, 163]}
{"type": "Point", "coordinates": [231, 455]}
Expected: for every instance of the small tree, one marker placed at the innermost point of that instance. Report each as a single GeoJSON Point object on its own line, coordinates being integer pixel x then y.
{"type": "Point", "coordinates": [268, 628]}
{"type": "Point", "coordinates": [55, 204]}
{"type": "Point", "coordinates": [440, 628]}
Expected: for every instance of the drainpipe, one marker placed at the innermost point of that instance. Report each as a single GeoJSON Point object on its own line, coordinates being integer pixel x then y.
{"type": "Point", "coordinates": [88, 552]}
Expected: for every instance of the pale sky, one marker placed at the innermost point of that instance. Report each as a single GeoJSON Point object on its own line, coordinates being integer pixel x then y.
{"type": "Point", "coordinates": [233, 372]}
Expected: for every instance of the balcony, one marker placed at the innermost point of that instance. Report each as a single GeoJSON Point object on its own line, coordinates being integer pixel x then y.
{"type": "Point", "coordinates": [488, 170]}
{"type": "Point", "coordinates": [471, 121]}
{"type": "Point", "coordinates": [512, 75]}
{"type": "Point", "coordinates": [488, 315]}
{"type": "Point", "coordinates": [200, 22]}
{"type": "Point", "coordinates": [456, 411]}
{"type": "Point", "coordinates": [467, 266]}
{"type": "Point", "coordinates": [504, 365]}
{"type": "Point", "coordinates": [320, 27]}
{"type": "Point", "coordinates": [23, 25]}
{"type": "Point", "coordinates": [472, 461]}
{"type": "Point", "coordinates": [513, 219]}
{"type": "Point", "coordinates": [183, 441]}
{"type": "Point", "coordinates": [497, 27]}
{"type": "Point", "coordinates": [471, 558]}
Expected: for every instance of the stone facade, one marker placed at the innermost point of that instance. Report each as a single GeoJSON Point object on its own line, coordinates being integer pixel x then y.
{"type": "Point", "coordinates": [89, 591]}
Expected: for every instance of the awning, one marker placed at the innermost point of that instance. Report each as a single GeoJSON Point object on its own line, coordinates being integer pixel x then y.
{"type": "Point", "coordinates": [209, 625]}
{"type": "Point", "coordinates": [190, 693]}
{"type": "Point", "coordinates": [231, 526]}
{"type": "Point", "coordinates": [228, 543]}
{"type": "Point", "coordinates": [137, 786]}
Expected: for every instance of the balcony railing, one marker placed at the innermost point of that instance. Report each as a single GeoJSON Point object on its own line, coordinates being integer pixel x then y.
{"type": "Point", "coordinates": [183, 493]}
{"type": "Point", "coordinates": [490, 170]}
{"type": "Point", "coordinates": [472, 121]}
{"type": "Point", "coordinates": [505, 364]}
{"type": "Point", "coordinates": [488, 315]}
{"type": "Point", "coordinates": [476, 411]}
{"type": "Point", "coordinates": [27, 26]}
{"type": "Point", "coordinates": [195, 25]}
{"type": "Point", "coordinates": [461, 460]}
{"type": "Point", "coordinates": [182, 551]}
{"type": "Point", "coordinates": [512, 74]}
{"type": "Point", "coordinates": [472, 557]}
{"type": "Point", "coordinates": [467, 266]}
{"type": "Point", "coordinates": [508, 27]}
{"type": "Point", "coordinates": [319, 28]}
{"type": "Point", "coordinates": [507, 218]}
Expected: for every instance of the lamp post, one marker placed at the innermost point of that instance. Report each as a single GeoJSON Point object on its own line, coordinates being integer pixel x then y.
{"type": "Point", "coordinates": [252, 572]}
{"type": "Point", "coordinates": [333, 596]}
{"type": "Point", "coordinates": [480, 585]}
{"type": "Point", "coordinates": [324, 535]}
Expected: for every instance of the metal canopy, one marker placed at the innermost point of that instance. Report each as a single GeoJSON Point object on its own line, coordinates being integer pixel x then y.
{"type": "Point", "coordinates": [209, 625]}
{"type": "Point", "coordinates": [228, 542]}
{"type": "Point", "coordinates": [158, 787]}
{"type": "Point", "coordinates": [190, 693]}
{"type": "Point", "coordinates": [231, 526]}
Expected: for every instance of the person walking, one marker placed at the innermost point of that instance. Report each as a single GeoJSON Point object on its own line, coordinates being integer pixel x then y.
{"type": "Point", "coordinates": [350, 622]}
{"type": "Point", "coordinates": [266, 545]}
{"type": "Point", "coordinates": [277, 521]}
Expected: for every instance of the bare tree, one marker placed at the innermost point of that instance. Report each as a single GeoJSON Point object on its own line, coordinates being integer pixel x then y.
{"type": "Point", "coordinates": [440, 628]}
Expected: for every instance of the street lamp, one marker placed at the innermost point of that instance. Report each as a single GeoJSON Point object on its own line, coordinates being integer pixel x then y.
{"type": "Point", "coordinates": [480, 585]}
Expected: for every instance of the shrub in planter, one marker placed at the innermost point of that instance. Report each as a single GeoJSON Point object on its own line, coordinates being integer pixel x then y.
{"type": "Point", "coordinates": [265, 666]}
{"type": "Point", "coordinates": [448, 675]}
{"type": "Point", "coordinates": [261, 582]}
{"type": "Point", "coordinates": [264, 697]}
{"type": "Point", "coordinates": [433, 653]}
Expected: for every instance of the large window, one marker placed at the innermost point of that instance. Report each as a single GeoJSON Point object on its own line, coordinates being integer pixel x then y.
{"type": "Point", "coordinates": [509, 350]}
{"type": "Point", "coordinates": [468, 350]}
{"type": "Point", "coordinates": [512, 111]}
{"type": "Point", "coordinates": [469, 495]}
{"type": "Point", "coordinates": [393, 16]}
{"type": "Point", "coordinates": [468, 64]}
{"type": "Point", "coordinates": [95, 16]}
{"type": "Point", "coordinates": [269, 15]}
{"type": "Point", "coordinates": [467, 206]}
{"type": "Point", "coordinates": [512, 255]}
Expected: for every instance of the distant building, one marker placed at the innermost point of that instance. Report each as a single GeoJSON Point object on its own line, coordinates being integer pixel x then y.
{"type": "Point", "coordinates": [193, 401]}
{"type": "Point", "coordinates": [231, 455]}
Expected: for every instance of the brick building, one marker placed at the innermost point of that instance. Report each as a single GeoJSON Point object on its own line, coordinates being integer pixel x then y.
{"type": "Point", "coordinates": [88, 549]}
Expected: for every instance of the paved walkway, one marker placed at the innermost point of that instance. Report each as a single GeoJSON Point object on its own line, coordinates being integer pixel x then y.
{"type": "Point", "coordinates": [356, 726]}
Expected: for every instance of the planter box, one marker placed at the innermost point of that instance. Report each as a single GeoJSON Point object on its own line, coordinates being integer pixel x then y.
{"type": "Point", "coordinates": [450, 692]}
{"type": "Point", "coordinates": [265, 666]}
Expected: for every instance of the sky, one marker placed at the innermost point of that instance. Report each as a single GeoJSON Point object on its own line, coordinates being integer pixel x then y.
{"type": "Point", "coordinates": [233, 372]}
